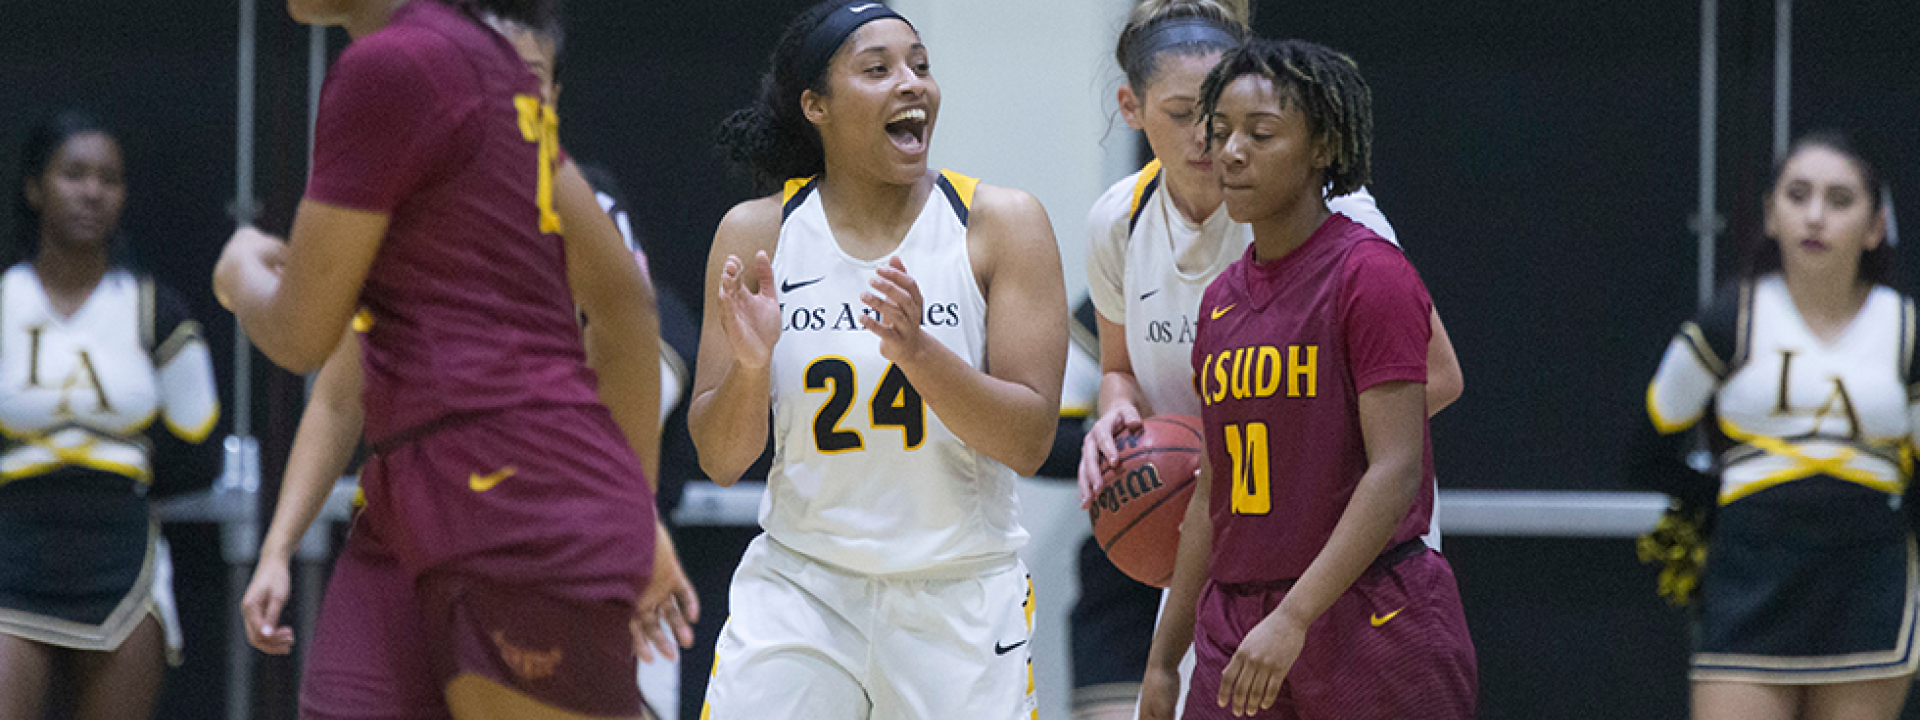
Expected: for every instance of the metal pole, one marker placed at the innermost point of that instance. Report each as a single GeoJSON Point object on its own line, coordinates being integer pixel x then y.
{"type": "Point", "coordinates": [1782, 74]}
{"type": "Point", "coordinates": [239, 655]}
{"type": "Point", "coordinates": [244, 211]}
{"type": "Point", "coordinates": [1706, 220]}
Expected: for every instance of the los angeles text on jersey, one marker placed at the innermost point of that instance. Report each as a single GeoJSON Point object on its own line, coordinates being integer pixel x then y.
{"type": "Point", "coordinates": [1259, 372]}
{"type": "Point", "coordinates": [847, 316]}
{"type": "Point", "coordinates": [1171, 331]}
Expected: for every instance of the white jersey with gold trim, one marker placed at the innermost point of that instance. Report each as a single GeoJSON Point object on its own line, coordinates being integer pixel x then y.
{"type": "Point", "coordinates": [79, 390]}
{"type": "Point", "coordinates": [1793, 405]}
{"type": "Point", "coordinates": [864, 475]}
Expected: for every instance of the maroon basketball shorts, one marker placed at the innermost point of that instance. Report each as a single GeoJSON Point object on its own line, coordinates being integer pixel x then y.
{"type": "Point", "coordinates": [571, 655]}
{"type": "Point", "coordinates": [368, 659]}
{"type": "Point", "coordinates": [386, 649]}
{"type": "Point", "coordinates": [1394, 646]}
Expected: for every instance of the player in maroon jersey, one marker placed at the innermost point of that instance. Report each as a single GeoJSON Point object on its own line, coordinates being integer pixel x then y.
{"type": "Point", "coordinates": [1307, 591]}
{"type": "Point", "coordinates": [510, 494]}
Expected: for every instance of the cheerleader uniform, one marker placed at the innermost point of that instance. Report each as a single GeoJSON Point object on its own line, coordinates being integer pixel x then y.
{"type": "Point", "coordinates": [1811, 565]}
{"type": "Point", "coordinates": [79, 549]}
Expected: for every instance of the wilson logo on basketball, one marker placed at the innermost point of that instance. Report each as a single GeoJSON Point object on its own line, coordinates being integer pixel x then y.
{"type": "Point", "coordinates": [1132, 486]}
{"type": "Point", "coordinates": [1136, 515]}
{"type": "Point", "coordinates": [526, 664]}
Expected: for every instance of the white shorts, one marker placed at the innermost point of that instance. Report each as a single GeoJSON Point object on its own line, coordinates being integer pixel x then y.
{"type": "Point", "coordinates": [810, 641]}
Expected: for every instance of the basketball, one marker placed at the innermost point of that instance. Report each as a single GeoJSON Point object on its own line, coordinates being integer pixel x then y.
{"type": "Point", "coordinates": [1136, 516]}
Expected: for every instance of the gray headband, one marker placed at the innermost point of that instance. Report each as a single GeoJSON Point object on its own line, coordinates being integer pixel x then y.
{"type": "Point", "coordinates": [1190, 30]}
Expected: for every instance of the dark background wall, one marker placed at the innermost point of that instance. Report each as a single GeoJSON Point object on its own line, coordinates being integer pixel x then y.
{"type": "Point", "coordinates": [1538, 160]}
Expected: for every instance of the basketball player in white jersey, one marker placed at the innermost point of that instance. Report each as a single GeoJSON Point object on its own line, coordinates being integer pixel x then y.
{"type": "Point", "coordinates": [905, 329]}
{"type": "Point", "coordinates": [1157, 239]}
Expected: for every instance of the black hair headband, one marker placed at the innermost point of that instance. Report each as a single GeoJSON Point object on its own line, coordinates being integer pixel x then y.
{"type": "Point", "coordinates": [1173, 33]}
{"type": "Point", "coordinates": [825, 38]}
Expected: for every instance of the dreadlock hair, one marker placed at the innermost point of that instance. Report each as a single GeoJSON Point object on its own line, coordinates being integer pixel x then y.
{"type": "Point", "coordinates": [1324, 85]}
{"type": "Point", "coordinates": [537, 14]}
{"type": "Point", "coordinates": [44, 140]}
{"type": "Point", "coordinates": [1143, 42]}
{"type": "Point", "coordinates": [1876, 265]}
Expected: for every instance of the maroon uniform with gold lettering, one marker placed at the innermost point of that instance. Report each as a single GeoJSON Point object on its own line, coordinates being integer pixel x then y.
{"type": "Point", "coordinates": [1282, 353]}
{"type": "Point", "coordinates": [497, 478]}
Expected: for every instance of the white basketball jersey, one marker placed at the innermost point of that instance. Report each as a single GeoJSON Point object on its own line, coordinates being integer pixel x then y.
{"type": "Point", "coordinates": [1169, 261]}
{"type": "Point", "coordinates": [864, 475]}
{"type": "Point", "coordinates": [78, 390]}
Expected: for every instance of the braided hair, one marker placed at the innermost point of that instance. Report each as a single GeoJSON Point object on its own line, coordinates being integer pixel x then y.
{"type": "Point", "coordinates": [1324, 85]}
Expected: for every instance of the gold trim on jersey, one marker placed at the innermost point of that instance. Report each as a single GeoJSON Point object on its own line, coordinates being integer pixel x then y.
{"type": "Point", "coordinates": [793, 194]}
{"type": "Point", "coordinates": [196, 433]}
{"type": "Point", "coordinates": [793, 187]}
{"type": "Point", "coordinates": [1660, 422]}
{"type": "Point", "coordinates": [92, 451]}
{"type": "Point", "coordinates": [1028, 606]}
{"type": "Point", "coordinates": [1768, 669]}
{"type": "Point", "coordinates": [964, 185]}
{"type": "Point", "coordinates": [1143, 188]}
{"type": "Point", "coordinates": [959, 191]}
{"type": "Point", "coordinates": [1801, 466]}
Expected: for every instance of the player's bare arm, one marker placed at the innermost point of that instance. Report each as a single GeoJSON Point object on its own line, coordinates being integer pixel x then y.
{"type": "Point", "coordinates": [1122, 405]}
{"type": "Point", "coordinates": [1392, 422]}
{"type": "Point", "coordinates": [1444, 381]}
{"type": "Point", "coordinates": [322, 447]}
{"type": "Point", "coordinates": [1161, 685]}
{"type": "Point", "coordinates": [1008, 413]}
{"type": "Point", "coordinates": [294, 297]}
{"type": "Point", "coordinates": [738, 328]}
{"type": "Point", "coordinates": [623, 338]}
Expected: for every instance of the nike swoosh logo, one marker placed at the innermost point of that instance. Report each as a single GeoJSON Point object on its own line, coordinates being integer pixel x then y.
{"type": "Point", "coordinates": [1217, 312]}
{"type": "Point", "coordinates": [483, 483]}
{"type": "Point", "coordinates": [863, 8]}
{"type": "Point", "coordinates": [787, 287]}
{"type": "Point", "coordinates": [1149, 293]}
{"type": "Point", "coordinates": [999, 649]}
{"type": "Point", "coordinates": [1379, 620]}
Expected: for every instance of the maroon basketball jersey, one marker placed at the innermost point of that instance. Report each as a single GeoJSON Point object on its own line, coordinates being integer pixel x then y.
{"type": "Point", "coordinates": [436, 121]}
{"type": "Point", "coordinates": [1282, 352]}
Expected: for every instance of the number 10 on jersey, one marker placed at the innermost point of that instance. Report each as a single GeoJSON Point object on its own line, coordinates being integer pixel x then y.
{"type": "Point", "coordinates": [893, 404]}
{"type": "Point", "coordinates": [1252, 486]}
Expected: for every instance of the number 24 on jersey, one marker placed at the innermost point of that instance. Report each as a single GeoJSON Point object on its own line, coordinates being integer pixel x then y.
{"type": "Point", "coordinates": [892, 404]}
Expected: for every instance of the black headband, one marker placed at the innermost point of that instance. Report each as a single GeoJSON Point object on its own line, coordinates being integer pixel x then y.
{"type": "Point", "coordinates": [1188, 30]}
{"type": "Point", "coordinates": [825, 39]}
